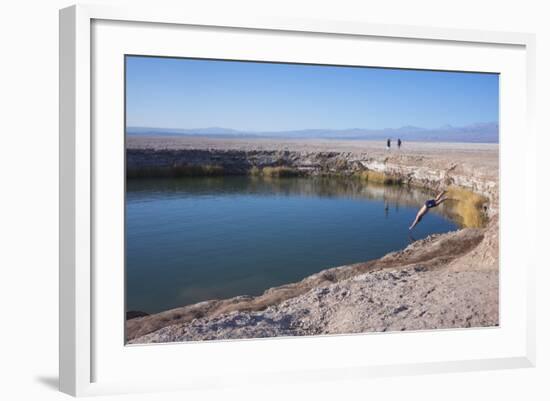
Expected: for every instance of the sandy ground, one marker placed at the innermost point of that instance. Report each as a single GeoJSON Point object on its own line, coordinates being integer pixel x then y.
{"type": "Point", "coordinates": [473, 154]}
{"type": "Point", "coordinates": [445, 281]}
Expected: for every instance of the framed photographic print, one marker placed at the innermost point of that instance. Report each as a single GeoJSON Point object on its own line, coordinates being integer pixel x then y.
{"type": "Point", "coordinates": [290, 200]}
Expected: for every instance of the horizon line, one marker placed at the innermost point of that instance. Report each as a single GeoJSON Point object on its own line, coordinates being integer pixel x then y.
{"type": "Point", "coordinates": [447, 126]}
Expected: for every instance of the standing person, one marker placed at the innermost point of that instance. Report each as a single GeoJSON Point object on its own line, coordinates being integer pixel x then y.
{"type": "Point", "coordinates": [399, 143]}
{"type": "Point", "coordinates": [388, 144]}
{"type": "Point", "coordinates": [427, 206]}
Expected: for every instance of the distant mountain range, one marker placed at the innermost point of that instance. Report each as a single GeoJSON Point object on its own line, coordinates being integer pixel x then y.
{"type": "Point", "coordinates": [480, 133]}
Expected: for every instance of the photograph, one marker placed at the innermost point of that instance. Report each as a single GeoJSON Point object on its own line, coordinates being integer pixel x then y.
{"type": "Point", "coordinates": [278, 199]}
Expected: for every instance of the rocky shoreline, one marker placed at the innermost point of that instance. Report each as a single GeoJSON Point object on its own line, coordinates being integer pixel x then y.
{"type": "Point", "coordinates": [147, 157]}
{"type": "Point", "coordinates": [444, 281]}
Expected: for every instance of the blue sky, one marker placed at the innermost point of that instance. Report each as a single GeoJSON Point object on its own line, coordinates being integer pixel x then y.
{"type": "Point", "coordinates": [190, 93]}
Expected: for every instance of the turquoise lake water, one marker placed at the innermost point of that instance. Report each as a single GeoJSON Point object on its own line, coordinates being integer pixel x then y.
{"type": "Point", "coordinates": [194, 239]}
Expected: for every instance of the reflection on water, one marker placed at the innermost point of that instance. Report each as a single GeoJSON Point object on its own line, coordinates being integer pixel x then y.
{"type": "Point", "coordinates": [194, 239]}
{"type": "Point", "coordinates": [462, 206]}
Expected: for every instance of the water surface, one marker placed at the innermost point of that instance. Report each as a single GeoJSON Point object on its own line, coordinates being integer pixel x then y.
{"type": "Point", "coordinates": [194, 239]}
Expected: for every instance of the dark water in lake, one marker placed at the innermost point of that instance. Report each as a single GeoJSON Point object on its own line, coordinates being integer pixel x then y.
{"type": "Point", "coordinates": [194, 239]}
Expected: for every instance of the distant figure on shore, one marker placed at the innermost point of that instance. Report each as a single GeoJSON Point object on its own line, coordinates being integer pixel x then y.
{"type": "Point", "coordinates": [427, 206]}
{"type": "Point", "coordinates": [398, 143]}
{"type": "Point", "coordinates": [388, 144]}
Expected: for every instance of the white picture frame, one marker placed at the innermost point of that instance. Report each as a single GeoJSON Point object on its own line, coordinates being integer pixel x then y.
{"type": "Point", "coordinates": [78, 226]}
